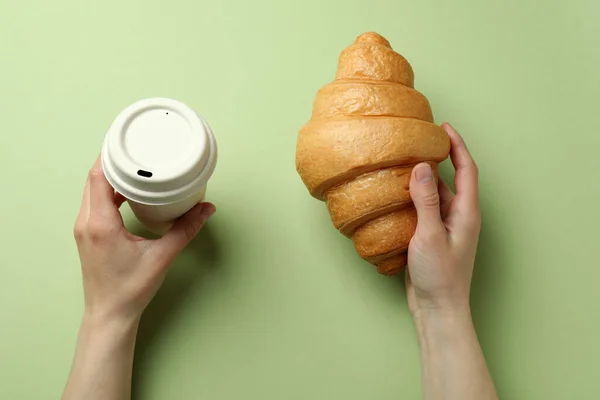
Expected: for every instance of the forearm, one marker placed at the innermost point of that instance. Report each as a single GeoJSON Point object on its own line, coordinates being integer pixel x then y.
{"type": "Point", "coordinates": [452, 361]}
{"type": "Point", "coordinates": [103, 361]}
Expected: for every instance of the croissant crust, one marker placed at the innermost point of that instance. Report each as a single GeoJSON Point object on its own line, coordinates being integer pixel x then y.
{"type": "Point", "coordinates": [368, 129]}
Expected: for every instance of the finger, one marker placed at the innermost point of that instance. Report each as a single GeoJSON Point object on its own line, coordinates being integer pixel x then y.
{"type": "Point", "coordinates": [102, 195]}
{"type": "Point", "coordinates": [446, 196]}
{"type": "Point", "coordinates": [84, 210]}
{"type": "Point", "coordinates": [466, 177]}
{"type": "Point", "coordinates": [424, 193]}
{"type": "Point", "coordinates": [119, 199]}
{"type": "Point", "coordinates": [184, 230]}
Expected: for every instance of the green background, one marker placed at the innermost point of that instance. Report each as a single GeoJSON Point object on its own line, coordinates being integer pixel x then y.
{"type": "Point", "coordinates": [271, 302]}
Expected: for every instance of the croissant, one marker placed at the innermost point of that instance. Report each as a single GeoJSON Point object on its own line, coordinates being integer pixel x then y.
{"type": "Point", "coordinates": [368, 129]}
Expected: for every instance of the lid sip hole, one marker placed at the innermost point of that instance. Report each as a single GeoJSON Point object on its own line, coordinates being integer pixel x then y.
{"type": "Point", "coordinates": [145, 174]}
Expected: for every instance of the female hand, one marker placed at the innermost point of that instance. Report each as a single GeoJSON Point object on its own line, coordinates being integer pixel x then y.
{"type": "Point", "coordinates": [442, 251]}
{"type": "Point", "coordinates": [441, 256]}
{"type": "Point", "coordinates": [122, 272]}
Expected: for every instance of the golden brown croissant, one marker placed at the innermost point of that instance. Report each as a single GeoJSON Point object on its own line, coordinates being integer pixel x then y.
{"type": "Point", "coordinates": [368, 129]}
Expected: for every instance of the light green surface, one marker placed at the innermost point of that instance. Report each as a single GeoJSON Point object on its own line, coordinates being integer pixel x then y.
{"type": "Point", "coordinates": [273, 303]}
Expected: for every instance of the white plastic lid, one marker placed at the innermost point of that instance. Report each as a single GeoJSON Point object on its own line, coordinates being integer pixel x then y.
{"type": "Point", "coordinates": [158, 151]}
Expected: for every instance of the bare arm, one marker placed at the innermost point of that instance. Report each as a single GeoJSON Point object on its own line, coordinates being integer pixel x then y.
{"type": "Point", "coordinates": [103, 360]}
{"type": "Point", "coordinates": [452, 362]}
{"type": "Point", "coordinates": [121, 274]}
{"type": "Point", "coordinates": [441, 258]}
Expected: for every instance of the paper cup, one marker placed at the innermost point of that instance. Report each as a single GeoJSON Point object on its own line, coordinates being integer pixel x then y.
{"type": "Point", "coordinates": [159, 154]}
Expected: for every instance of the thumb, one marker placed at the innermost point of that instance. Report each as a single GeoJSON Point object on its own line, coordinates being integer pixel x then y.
{"type": "Point", "coordinates": [185, 229]}
{"type": "Point", "coordinates": [424, 193]}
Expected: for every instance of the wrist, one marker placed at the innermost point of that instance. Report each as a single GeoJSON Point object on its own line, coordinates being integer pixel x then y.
{"type": "Point", "coordinates": [440, 321]}
{"type": "Point", "coordinates": [110, 315]}
{"type": "Point", "coordinates": [108, 325]}
{"type": "Point", "coordinates": [103, 358]}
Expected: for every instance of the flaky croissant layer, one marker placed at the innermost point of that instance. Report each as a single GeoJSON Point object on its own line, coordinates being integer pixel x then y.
{"type": "Point", "coordinates": [368, 129]}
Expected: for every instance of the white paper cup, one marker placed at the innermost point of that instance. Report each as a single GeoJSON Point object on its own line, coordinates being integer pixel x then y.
{"type": "Point", "coordinates": [159, 154]}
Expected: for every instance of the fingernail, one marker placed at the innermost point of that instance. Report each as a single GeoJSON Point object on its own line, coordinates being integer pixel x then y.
{"type": "Point", "coordinates": [423, 173]}
{"type": "Point", "coordinates": [207, 211]}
